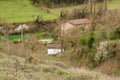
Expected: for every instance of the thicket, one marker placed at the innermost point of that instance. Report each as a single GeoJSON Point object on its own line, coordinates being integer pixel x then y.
{"type": "Point", "coordinates": [77, 13]}
{"type": "Point", "coordinates": [60, 3]}
{"type": "Point", "coordinates": [81, 49]}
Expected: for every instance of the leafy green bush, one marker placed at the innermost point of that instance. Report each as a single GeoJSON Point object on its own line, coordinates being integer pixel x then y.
{"type": "Point", "coordinates": [90, 42]}
{"type": "Point", "coordinates": [63, 14]}
{"type": "Point", "coordinates": [115, 36]}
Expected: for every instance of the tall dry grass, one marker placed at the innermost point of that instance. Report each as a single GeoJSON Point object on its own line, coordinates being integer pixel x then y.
{"type": "Point", "coordinates": [15, 68]}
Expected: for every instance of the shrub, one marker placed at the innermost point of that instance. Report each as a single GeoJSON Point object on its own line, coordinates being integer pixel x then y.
{"type": "Point", "coordinates": [34, 59]}
{"type": "Point", "coordinates": [78, 13]}
{"type": "Point", "coordinates": [63, 14]}
{"type": "Point", "coordinates": [90, 42]}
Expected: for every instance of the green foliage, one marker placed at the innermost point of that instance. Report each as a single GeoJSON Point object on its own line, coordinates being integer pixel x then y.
{"type": "Point", "coordinates": [104, 35]}
{"type": "Point", "coordinates": [115, 36]}
{"type": "Point", "coordinates": [63, 14]}
{"type": "Point", "coordinates": [84, 38]}
{"type": "Point", "coordinates": [91, 40]}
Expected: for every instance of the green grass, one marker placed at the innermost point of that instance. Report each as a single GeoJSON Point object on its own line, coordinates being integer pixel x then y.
{"type": "Point", "coordinates": [14, 37]}
{"type": "Point", "coordinates": [21, 11]}
{"type": "Point", "coordinates": [114, 4]}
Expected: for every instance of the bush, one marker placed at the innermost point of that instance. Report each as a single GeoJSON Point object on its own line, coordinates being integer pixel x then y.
{"type": "Point", "coordinates": [63, 14]}
{"type": "Point", "coordinates": [90, 42]}
{"type": "Point", "coordinates": [115, 36]}
{"type": "Point", "coordinates": [34, 59]}
{"type": "Point", "coordinates": [78, 13]}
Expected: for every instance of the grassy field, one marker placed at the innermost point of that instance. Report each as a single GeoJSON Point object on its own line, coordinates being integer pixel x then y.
{"type": "Point", "coordinates": [114, 4]}
{"type": "Point", "coordinates": [21, 11]}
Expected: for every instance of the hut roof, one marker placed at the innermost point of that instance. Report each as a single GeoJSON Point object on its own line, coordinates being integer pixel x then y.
{"type": "Point", "coordinates": [53, 46]}
{"type": "Point", "coordinates": [78, 21]}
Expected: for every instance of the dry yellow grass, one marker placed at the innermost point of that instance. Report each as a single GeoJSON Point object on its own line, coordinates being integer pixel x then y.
{"type": "Point", "coordinates": [16, 68]}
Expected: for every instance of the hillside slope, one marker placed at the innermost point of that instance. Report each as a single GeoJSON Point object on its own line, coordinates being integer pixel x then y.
{"type": "Point", "coordinates": [21, 11]}
{"type": "Point", "coordinates": [114, 4]}
{"type": "Point", "coordinates": [13, 67]}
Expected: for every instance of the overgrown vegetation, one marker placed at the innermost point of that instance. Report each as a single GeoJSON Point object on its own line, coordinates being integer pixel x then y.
{"type": "Point", "coordinates": [96, 49]}
{"type": "Point", "coordinates": [61, 3]}
{"type": "Point", "coordinates": [14, 67]}
{"type": "Point", "coordinates": [82, 49]}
